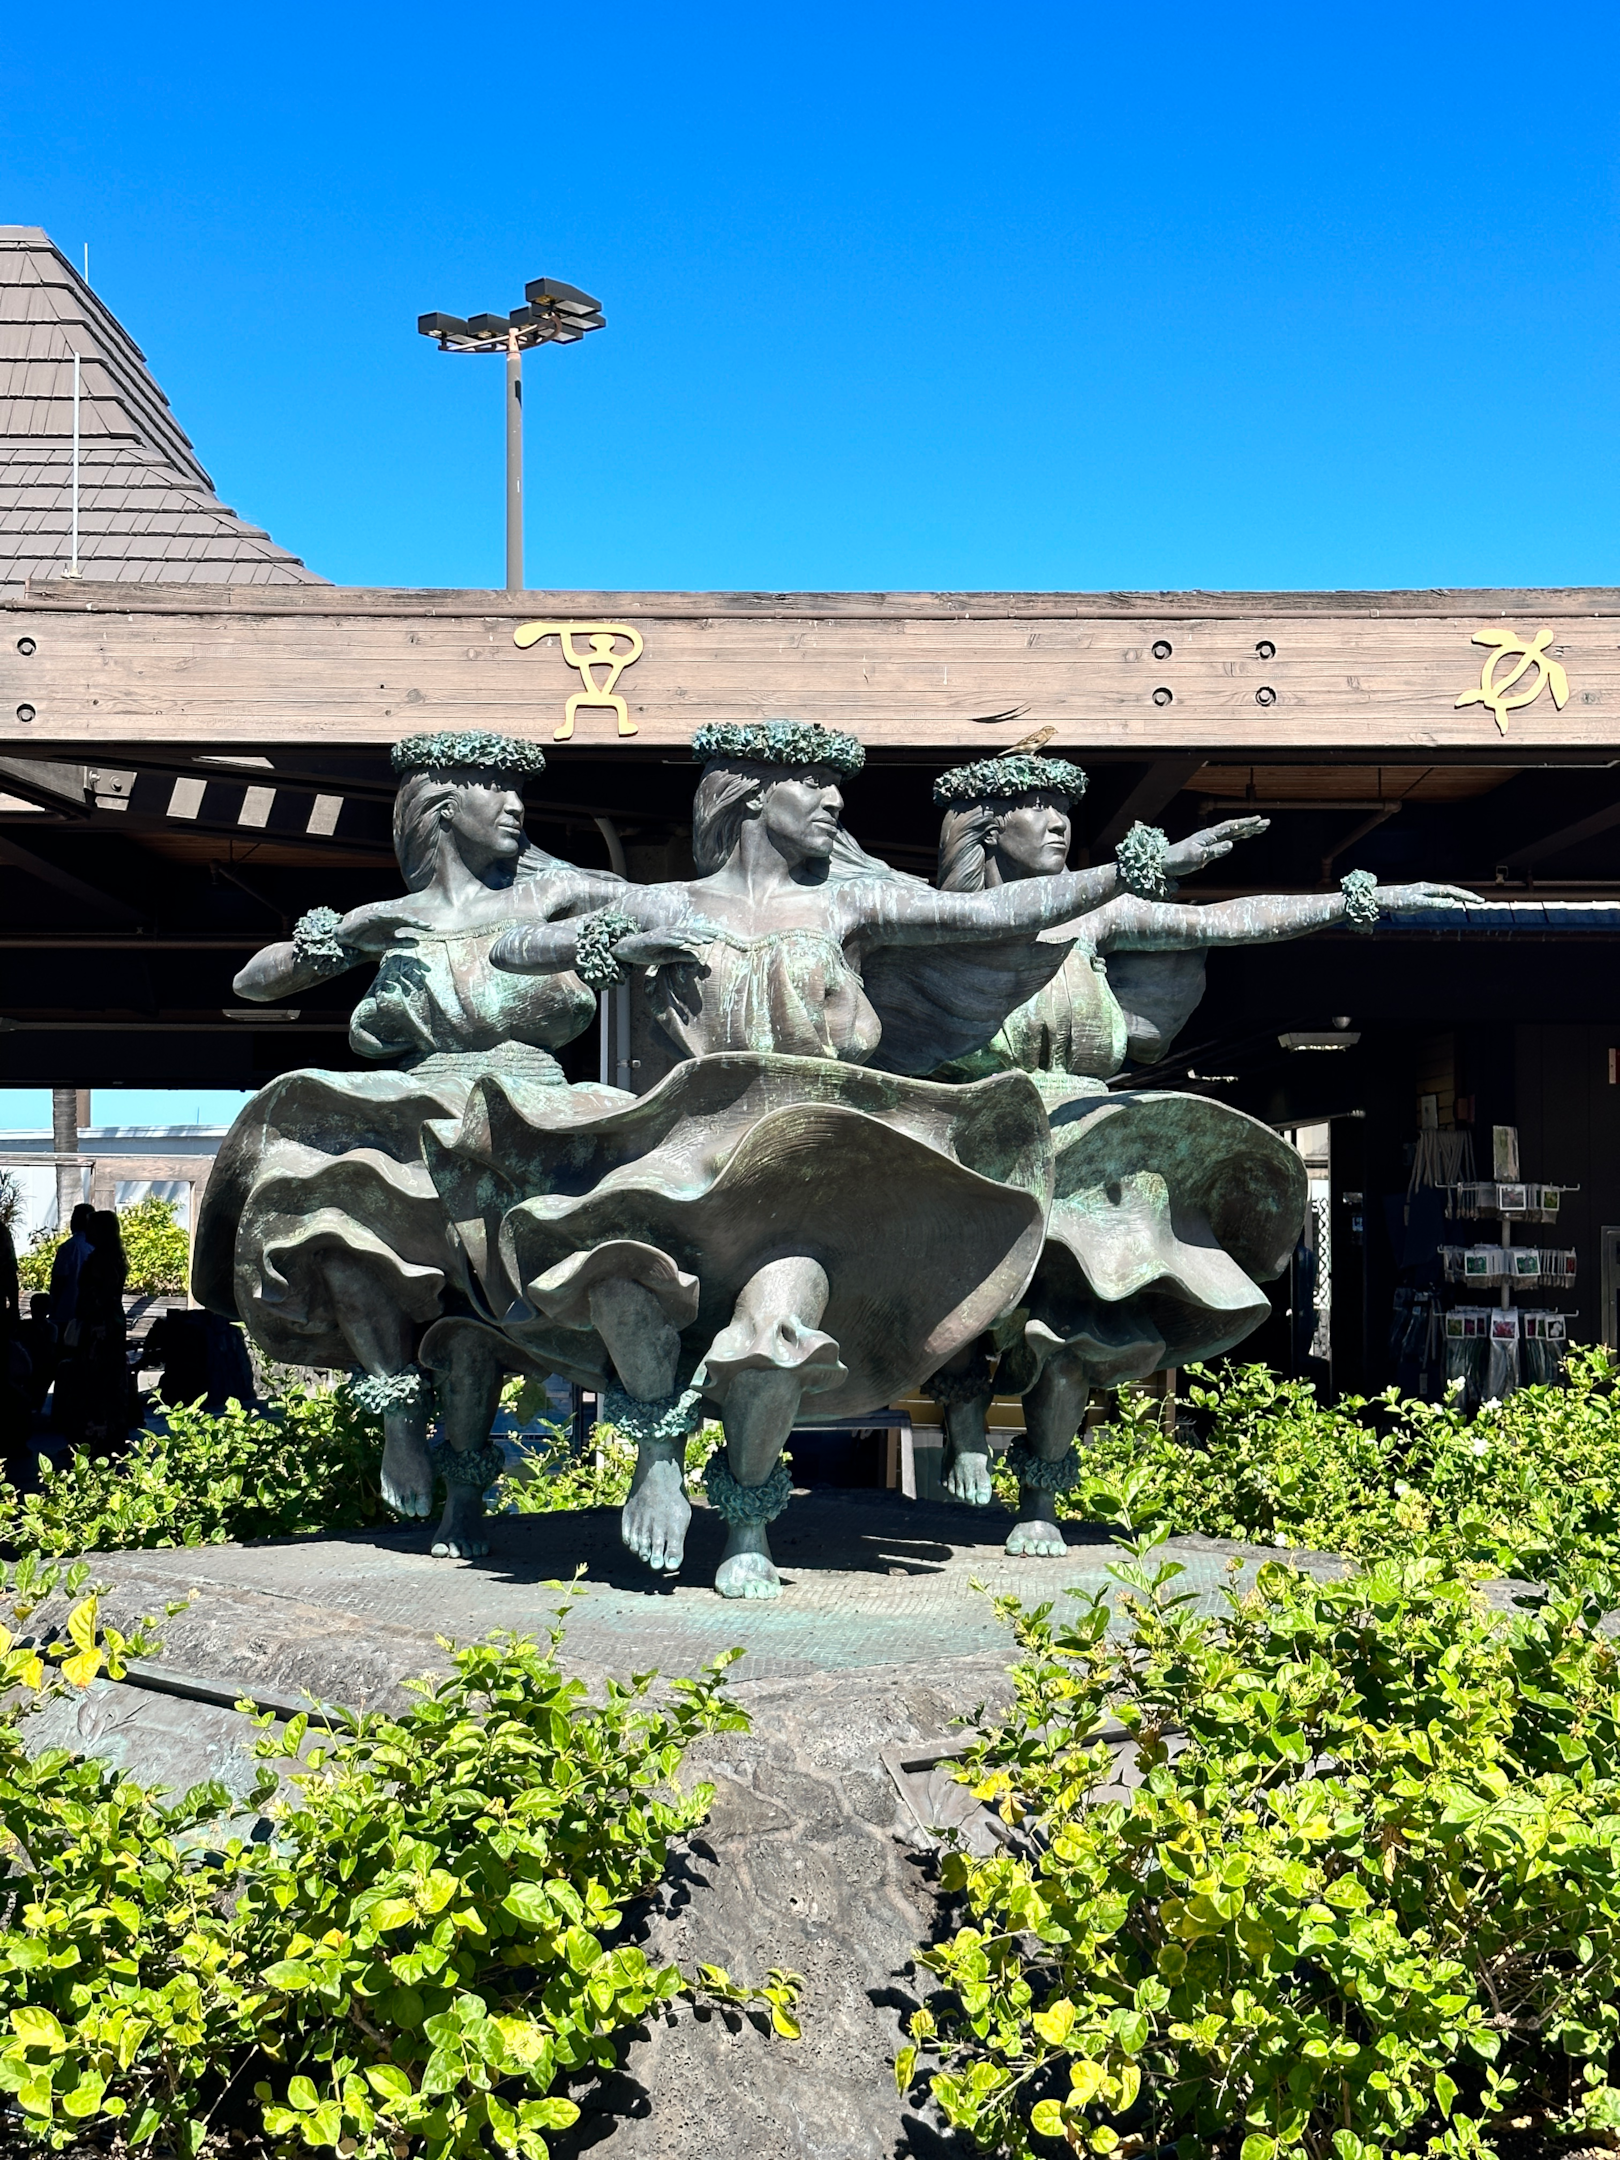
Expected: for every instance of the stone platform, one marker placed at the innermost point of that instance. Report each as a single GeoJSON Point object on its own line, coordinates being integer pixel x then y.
{"type": "Point", "coordinates": [869, 1579]}
{"type": "Point", "coordinates": [816, 1855]}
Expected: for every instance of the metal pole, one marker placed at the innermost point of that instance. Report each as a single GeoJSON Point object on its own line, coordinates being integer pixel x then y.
{"type": "Point", "coordinates": [514, 463]}
{"type": "Point", "coordinates": [615, 1010]}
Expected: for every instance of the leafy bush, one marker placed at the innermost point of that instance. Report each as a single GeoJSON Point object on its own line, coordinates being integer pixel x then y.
{"type": "Point", "coordinates": [34, 1261]}
{"type": "Point", "coordinates": [155, 1246]}
{"type": "Point", "coordinates": [157, 1249]}
{"type": "Point", "coordinates": [1530, 1485]}
{"type": "Point", "coordinates": [552, 1478]}
{"type": "Point", "coordinates": [1366, 1899]}
{"type": "Point", "coordinates": [422, 1955]}
{"type": "Point", "coordinates": [311, 1464]}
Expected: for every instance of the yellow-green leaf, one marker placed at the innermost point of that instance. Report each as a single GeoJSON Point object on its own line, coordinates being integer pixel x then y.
{"type": "Point", "coordinates": [36, 2027]}
{"type": "Point", "coordinates": [1056, 2024]}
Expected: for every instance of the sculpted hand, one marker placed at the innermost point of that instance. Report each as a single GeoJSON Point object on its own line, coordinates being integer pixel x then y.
{"type": "Point", "coordinates": [660, 948]}
{"type": "Point", "coordinates": [1426, 894]}
{"type": "Point", "coordinates": [380, 926]}
{"type": "Point", "coordinates": [1202, 848]}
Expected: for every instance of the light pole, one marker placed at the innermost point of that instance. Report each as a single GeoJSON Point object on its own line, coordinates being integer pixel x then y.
{"type": "Point", "coordinates": [555, 314]}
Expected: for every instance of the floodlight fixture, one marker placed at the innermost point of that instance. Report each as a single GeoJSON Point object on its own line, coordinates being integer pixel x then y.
{"type": "Point", "coordinates": [553, 314]}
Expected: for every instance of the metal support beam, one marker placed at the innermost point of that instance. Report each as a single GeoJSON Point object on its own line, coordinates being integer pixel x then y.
{"type": "Point", "coordinates": [514, 463]}
{"type": "Point", "coordinates": [1567, 836]}
{"type": "Point", "coordinates": [49, 873]}
{"type": "Point", "coordinates": [53, 786]}
{"type": "Point", "coordinates": [1380, 816]}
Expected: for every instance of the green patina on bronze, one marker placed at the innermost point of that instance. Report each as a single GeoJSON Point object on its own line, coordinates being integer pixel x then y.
{"type": "Point", "coordinates": [594, 963]}
{"type": "Point", "coordinates": [1141, 858]}
{"type": "Point", "coordinates": [999, 779]}
{"type": "Point", "coordinates": [778, 742]}
{"type": "Point", "coordinates": [466, 750]}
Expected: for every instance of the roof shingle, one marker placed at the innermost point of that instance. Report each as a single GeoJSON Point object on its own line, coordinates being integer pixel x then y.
{"type": "Point", "coordinates": [147, 509]}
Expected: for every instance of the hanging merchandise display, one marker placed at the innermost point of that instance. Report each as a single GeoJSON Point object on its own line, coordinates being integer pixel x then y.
{"type": "Point", "coordinates": [1493, 1349]}
{"type": "Point", "coordinates": [1502, 1369]}
{"type": "Point", "coordinates": [1544, 1345]}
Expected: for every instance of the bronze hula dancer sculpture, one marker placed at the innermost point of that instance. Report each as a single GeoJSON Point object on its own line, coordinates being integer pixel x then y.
{"type": "Point", "coordinates": [1168, 1209]}
{"type": "Point", "coordinates": [321, 1228]}
{"type": "Point", "coordinates": [843, 1231]}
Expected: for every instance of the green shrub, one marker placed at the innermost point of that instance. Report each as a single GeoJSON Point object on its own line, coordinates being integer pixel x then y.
{"type": "Point", "coordinates": [1530, 1485]}
{"type": "Point", "coordinates": [552, 1479]}
{"type": "Point", "coordinates": [1366, 1900]}
{"type": "Point", "coordinates": [428, 1949]}
{"type": "Point", "coordinates": [156, 1248]}
{"type": "Point", "coordinates": [312, 1464]}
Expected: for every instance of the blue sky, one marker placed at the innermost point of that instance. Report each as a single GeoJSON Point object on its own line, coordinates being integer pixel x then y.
{"type": "Point", "coordinates": [1026, 296]}
{"type": "Point", "coordinates": [899, 296]}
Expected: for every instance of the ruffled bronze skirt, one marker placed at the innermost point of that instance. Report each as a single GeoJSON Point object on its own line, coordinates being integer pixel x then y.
{"type": "Point", "coordinates": [924, 1204]}
{"type": "Point", "coordinates": [323, 1163]}
{"type": "Point", "coordinates": [1168, 1212]}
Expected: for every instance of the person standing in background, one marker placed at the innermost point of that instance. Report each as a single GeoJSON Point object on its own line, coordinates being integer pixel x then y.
{"type": "Point", "coordinates": [66, 1269]}
{"type": "Point", "coordinates": [70, 1258]}
{"type": "Point", "coordinates": [103, 1334]}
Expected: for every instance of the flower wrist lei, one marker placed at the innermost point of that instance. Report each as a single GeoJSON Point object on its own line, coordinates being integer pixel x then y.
{"type": "Point", "coordinates": [1142, 857]}
{"type": "Point", "coordinates": [594, 963]}
{"type": "Point", "coordinates": [1361, 909]}
{"type": "Point", "coordinates": [315, 937]}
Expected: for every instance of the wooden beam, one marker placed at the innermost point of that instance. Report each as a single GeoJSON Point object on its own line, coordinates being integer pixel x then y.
{"type": "Point", "coordinates": [91, 597]}
{"type": "Point", "coordinates": [1159, 785]}
{"type": "Point", "coordinates": [277, 671]}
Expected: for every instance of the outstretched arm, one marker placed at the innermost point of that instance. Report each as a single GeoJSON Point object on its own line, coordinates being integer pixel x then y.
{"type": "Point", "coordinates": [1132, 925]}
{"type": "Point", "coordinates": [644, 926]}
{"type": "Point", "coordinates": [317, 951]}
{"type": "Point", "coordinates": [878, 912]}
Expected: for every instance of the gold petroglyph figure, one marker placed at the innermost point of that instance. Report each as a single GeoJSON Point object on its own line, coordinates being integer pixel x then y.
{"type": "Point", "coordinates": [1506, 645]}
{"type": "Point", "coordinates": [598, 696]}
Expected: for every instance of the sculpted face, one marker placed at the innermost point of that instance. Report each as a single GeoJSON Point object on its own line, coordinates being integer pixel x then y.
{"type": "Point", "coordinates": [1032, 838]}
{"type": "Point", "coordinates": [801, 812]}
{"type": "Point", "coordinates": [486, 817]}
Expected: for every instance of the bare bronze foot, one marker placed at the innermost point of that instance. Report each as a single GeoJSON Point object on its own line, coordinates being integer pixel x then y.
{"type": "Point", "coordinates": [407, 1474]}
{"type": "Point", "coordinates": [1035, 1533]}
{"type": "Point", "coordinates": [967, 1478]}
{"type": "Point", "coordinates": [746, 1569]}
{"type": "Point", "coordinates": [463, 1532]}
{"type": "Point", "coordinates": [653, 1522]}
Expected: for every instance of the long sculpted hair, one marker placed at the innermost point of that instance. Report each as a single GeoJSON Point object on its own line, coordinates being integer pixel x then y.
{"type": "Point", "coordinates": [967, 839]}
{"type": "Point", "coordinates": [729, 790]}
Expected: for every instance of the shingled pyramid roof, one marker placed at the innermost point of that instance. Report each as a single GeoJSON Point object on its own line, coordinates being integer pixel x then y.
{"type": "Point", "coordinates": [147, 509]}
